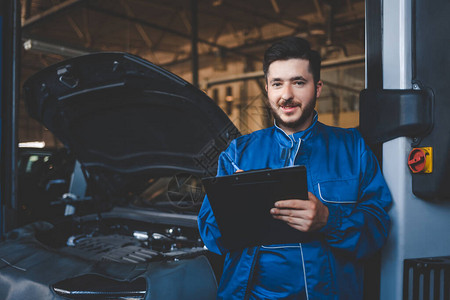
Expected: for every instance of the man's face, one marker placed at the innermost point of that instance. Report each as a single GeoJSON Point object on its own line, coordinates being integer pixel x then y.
{"type": "Point", "coordinates": [292, 94]}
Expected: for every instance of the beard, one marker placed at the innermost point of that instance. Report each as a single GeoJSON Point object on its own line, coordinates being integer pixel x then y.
{"type": "Point", "coordinates": [307, 112]}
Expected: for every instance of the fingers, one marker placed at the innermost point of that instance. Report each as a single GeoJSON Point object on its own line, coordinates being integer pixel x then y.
{"type": "Point", "coordinates": [291, 204]}
{"type": "Point", "coordinates": [290, 212]}
{"type": "Point", "coordinates": [299, 223]}
{"type": "Point", "coordinates": [292, 216]}
{"type": "Point", "coordinates": [303, 215]}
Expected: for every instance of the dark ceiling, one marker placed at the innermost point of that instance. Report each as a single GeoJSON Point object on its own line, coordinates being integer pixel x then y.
{"type": "Point", "coordinates": [161, 30]}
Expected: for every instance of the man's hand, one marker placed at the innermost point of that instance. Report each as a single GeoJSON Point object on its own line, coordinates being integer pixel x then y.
{"type": "Point", "coordinates": [304, 215]}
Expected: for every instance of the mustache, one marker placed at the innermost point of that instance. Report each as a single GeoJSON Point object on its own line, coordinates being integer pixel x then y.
{"type": "Point", "coordinates": [288, 102]}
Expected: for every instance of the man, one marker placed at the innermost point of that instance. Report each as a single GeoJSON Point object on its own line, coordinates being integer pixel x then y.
{"type": "Point", "coordinates": [347, 199]}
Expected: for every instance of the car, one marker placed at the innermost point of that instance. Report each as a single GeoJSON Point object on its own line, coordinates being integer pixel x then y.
{"type": "Point", "coordinates": [44, 176]}
{"type": "Point", "coordinates": [142, 138]}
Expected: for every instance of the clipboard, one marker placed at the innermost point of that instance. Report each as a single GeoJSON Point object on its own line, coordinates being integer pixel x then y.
{"type": "Point", "coordinates": [241, 204]}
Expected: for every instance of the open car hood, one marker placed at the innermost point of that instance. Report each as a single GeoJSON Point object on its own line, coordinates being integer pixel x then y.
{"type": "Point", "coordinates": [122, 116]}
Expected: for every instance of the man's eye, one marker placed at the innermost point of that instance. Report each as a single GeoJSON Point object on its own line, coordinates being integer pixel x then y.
{"type": "Point", "coordinates": [276, 84]}
{"type": "Point", "coordinates": [299, 83]}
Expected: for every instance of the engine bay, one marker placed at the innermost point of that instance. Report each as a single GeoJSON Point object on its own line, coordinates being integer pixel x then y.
{"type": "Point", "coordinates": [123, 241]}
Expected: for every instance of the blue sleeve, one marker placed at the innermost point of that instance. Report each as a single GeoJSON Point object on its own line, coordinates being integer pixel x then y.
{"type": "Point", "coordinates": [365, 229]}
{"type": "Point", "coordinates": [207, 225]}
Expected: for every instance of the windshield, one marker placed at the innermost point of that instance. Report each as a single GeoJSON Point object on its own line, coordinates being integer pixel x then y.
{"type": "Point", "coordinates": [178, 193]}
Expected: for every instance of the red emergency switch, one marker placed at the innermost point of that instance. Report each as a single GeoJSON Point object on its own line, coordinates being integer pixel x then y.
{"type": "Point", "coordinates": [420, 160]}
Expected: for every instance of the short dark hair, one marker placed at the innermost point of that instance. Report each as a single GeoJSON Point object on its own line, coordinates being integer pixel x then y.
{"type": "Point", "coordinates": [293, 47]}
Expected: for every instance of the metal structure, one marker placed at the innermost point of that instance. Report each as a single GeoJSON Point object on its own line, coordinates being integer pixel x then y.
{"type": "Point", "coordinates": [9, 58]}
{"type": "Point", "coordinates": [418, 222]}
{"type": "Point", "coordinates": [161, 31]}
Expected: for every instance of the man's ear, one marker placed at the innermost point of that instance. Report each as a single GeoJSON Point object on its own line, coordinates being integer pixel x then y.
{"type": "Point", "coordinates": [266, 87]}
{"type": "Point", "coordinates": [319, 86]}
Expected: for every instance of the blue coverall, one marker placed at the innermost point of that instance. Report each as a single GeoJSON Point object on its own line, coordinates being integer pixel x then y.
{"type": "Point", "coordinates": [344, 174]}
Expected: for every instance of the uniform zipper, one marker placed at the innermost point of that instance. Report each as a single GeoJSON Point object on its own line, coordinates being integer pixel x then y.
{"type": "Point", "coordinates": [252, 269]}
{"type": "Point", "coordinates": [296, 152]}
{"type": "Point", "coordinates": [250, 277]}
{"type": "Point", "coordinates": [300, 244]}
{"type": "Point", "coordinates": [288, 162]}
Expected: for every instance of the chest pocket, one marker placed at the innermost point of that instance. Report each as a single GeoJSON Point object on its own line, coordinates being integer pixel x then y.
{"type": "Point", "coordinates": [342, 191]}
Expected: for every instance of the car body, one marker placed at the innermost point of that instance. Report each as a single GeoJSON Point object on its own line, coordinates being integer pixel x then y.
{"type": "Point", "coordinates": [143, 138]}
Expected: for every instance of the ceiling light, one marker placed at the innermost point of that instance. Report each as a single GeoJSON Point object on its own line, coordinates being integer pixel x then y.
{"type": "Point", "coordinates": [35, 144]}
{"type": "Point", "coordinates": [41, 46]}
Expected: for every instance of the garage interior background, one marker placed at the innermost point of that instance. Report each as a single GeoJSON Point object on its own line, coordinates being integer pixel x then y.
{"type": "Point", "coordinates": [217, 45]}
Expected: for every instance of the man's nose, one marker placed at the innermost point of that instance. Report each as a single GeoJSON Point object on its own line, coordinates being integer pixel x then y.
{"type": "Point", "coordinates": [287, 92]}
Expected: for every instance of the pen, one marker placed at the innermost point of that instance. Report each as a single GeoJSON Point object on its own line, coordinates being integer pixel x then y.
{"type": "Point", "coordinates": [231, 161]}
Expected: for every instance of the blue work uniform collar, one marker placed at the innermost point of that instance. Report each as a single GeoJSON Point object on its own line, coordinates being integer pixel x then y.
{"type": "Point", "coordinates": [289, 140]}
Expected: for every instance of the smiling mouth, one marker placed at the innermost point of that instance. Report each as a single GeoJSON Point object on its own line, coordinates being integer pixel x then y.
{"type": "Point", "coordinates": [288, 107]}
